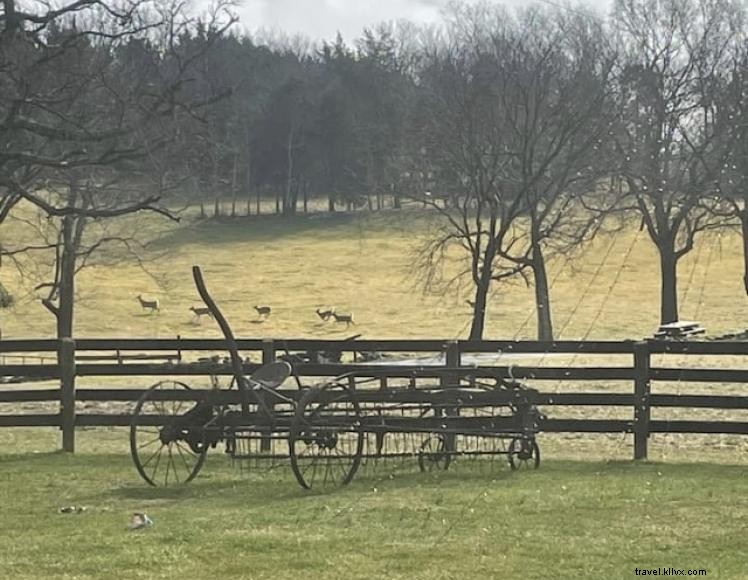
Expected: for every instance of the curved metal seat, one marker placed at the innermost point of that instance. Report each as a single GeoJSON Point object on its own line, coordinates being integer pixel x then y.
{"type": "Point", "coordinates": [270, 376]}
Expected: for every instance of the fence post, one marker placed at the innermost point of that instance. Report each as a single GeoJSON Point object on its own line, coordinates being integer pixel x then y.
{"type": "Point", "coordinates": [268, 356]}
{"type": "Point", "coordinates": [642, 391]}
{"type": "Point", "coordinates": [66, 364]}
{"type": "Point", "coordinates": [451, 379]}
{"type": "Point", "coordinates": [268, 351]}
{"type": "Point", "coordinates": [452, 361]}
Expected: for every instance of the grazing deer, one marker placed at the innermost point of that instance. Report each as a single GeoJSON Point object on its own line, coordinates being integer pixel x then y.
{"type": "Point", "coordinates": [148, 304]}
{"type": "Point", "coordinates": [325, 314]}
{"type": "Point", "coordinates": [201, 311]}
{"type": "Point", "coordinates": [263, 310]}
{"type": "Point", "coordinates": [347, 318]}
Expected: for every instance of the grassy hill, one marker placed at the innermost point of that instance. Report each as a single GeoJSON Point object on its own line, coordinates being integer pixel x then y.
{"type": "Point", "coordinates": [363, 263]}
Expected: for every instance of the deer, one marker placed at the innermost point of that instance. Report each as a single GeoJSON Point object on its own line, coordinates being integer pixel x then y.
{"type": "Point", "coordinates": [201, 311]}
{"type": "Point", "coordinates": [148, 304]}
{"type": "Point", "coordinates": [263, 310]}
{"type": "Point", "coordinates": [325, 314]}
{"type": "Point", "coordinates": [347, 318]}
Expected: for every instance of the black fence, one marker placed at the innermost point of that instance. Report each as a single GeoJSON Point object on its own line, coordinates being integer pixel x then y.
{"type": "Point", "coordinates": [388, 363]}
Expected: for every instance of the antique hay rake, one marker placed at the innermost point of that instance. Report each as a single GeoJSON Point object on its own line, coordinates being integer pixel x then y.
{"type": "Point", "coordinates": [325, 431]}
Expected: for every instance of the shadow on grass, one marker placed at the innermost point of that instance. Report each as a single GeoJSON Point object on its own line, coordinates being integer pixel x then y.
{"type": "Point", "coordinates": [35, 457]}
{"type": "Point", "coordinates": [272, 227]}
{"type": "Point", "coordinates": [174, 492]}
{"type": "Point", "coordinates": [253, 228]}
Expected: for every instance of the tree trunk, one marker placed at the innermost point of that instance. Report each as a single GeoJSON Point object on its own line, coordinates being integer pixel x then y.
{"type": "Point", "coordinates": [479, 310]}
{"type": "Point", "coordinates": [248, 171]}
{"type": "Point", "coordinates": [542, 295]}
{"type": "Point", "coordinates": [216, 208]}
{"type": "Point", "coordinates": [306, 196]}
{"type": "Point", "coordinates": [290, 201]}
{"type": "Point", "coordinates": [234, 184]}
{"type": "Point", "coordinates": [67, 295]}
{"type": "Point", "coordinates": [330, 203]}
{"type": "Point", "coordinates": [744, 226]}
{"type": "Point", "coordinates": [259, 195]}
{"type": "Point", "coordinates": [669, 287]}
{"type": "Point", "coordinates": [288, 207]}
{"type": "Point", "coordinates": [72, 229]}
{"type": "Point", "coordinates": [481, 294]}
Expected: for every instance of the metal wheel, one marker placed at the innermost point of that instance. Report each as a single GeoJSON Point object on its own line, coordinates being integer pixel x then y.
{"type": "Point", "coordinates": [434, 454]}
{"type": "Point", "coordinates": [326, 440]}
{"type": "Point", "coordinates": [167, 440]}
{"type": "Point", "coordinates": [524, 453]}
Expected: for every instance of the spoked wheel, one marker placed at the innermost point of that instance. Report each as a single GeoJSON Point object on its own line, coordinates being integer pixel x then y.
{"type": "Point", "coordinates": [524, 453]}
{"type": "Point", "coordinates": [167, 440]}
{"type": "Point", "coordinates": [326, 440]}
{"type": "Point", "coordinates": [434, 453]}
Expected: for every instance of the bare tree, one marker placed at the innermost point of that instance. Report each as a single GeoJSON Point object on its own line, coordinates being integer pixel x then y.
{"type": "Point", "coordinates": [64, 246]}
{"type": "Point", "coordinates": [72, 97]}
{"type": "Point", "coordinates": [91, 96]}
{"type": "Point", "coordinates": [732, 129]}
{"type": "Point", "coordinates": [516, 141]}
{"type": "Point", "coordinates": [674, 56]}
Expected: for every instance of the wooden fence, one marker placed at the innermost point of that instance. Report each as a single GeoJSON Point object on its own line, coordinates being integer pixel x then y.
{"type": "Point", "coordinates": [626, 363]}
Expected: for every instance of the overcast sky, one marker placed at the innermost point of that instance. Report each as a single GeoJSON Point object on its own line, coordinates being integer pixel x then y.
{"type": "Point", "coordinates": [323, 18]}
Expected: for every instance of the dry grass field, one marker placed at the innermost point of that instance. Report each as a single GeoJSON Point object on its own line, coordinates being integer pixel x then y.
{"type": "Point", "coordinates": [363, 263]}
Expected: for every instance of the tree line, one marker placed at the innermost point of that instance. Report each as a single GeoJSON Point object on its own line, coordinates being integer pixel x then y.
{"type": "Point", "coordinates": [524, 130]}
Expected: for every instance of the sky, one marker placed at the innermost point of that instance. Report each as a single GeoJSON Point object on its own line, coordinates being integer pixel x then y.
{"type": "Point", "coordinates": [321, 19]}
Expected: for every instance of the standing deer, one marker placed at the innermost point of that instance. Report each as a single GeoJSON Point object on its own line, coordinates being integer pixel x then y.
{"type": "Point", "coordinates": [263, 310]}
{"type": "Point", "coordinates": [148, 304]}
{"type": "Point", "coordinates": [201, 311]}
{"type": "Point", "coordinates": [347, 318]}
{"type": "Point", "coordinates": [325, 314]}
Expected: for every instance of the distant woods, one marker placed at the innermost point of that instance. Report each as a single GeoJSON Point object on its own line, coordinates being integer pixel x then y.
{"type": "Point", "coordinates": [522, 130]}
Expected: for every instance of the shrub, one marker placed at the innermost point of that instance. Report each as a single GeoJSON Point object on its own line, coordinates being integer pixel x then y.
{"type": "Point", "coordinates": [6, 300]}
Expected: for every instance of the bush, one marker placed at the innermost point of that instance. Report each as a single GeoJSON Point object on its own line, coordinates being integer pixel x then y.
{"type": "Point", "coordinates": [6, 300]}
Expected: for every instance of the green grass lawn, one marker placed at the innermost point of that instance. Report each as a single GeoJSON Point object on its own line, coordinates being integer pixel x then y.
{"type": "Point", "coordinates": [569, 519]}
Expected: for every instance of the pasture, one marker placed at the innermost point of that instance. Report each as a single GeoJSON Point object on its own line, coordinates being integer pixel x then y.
{"type": "Point", "coordinates": [569, 519]}
{"type": "Point", "coordinates": [587, 512]}
{"type": "Point", "coordinates": [363, 263]}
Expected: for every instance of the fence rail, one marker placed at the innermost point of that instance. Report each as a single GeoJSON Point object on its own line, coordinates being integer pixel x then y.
{"type": "Point", "coordinates": [615, 362]}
